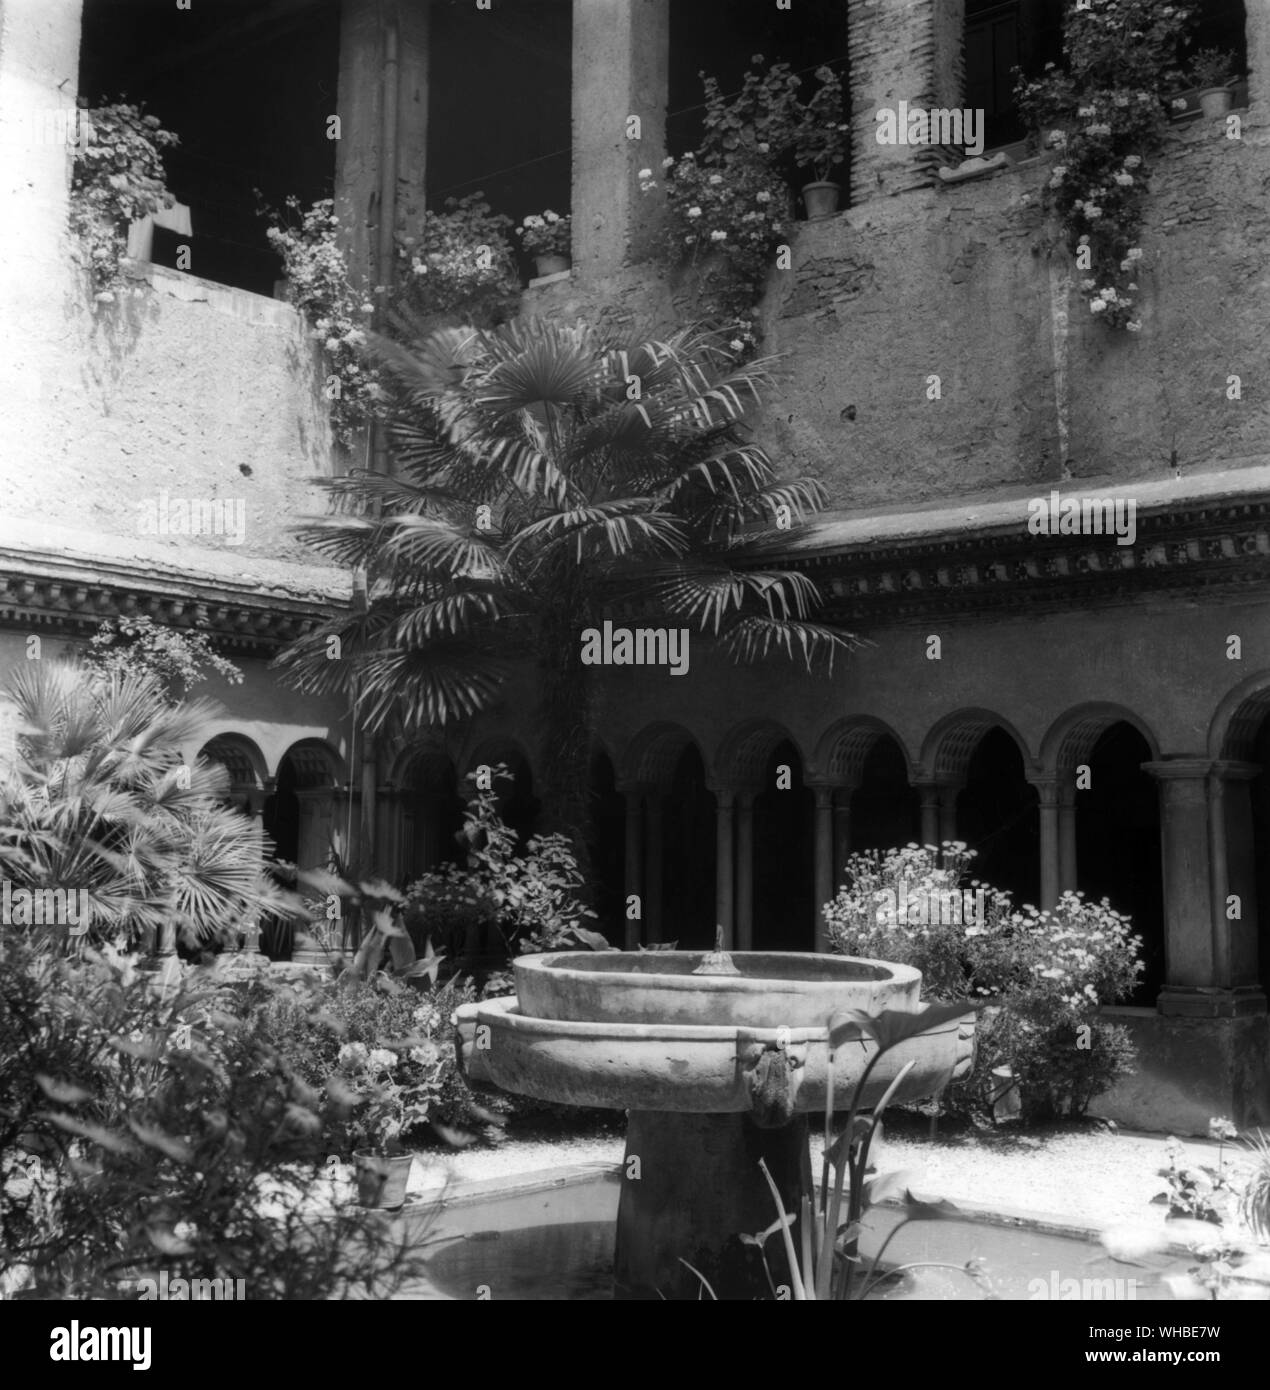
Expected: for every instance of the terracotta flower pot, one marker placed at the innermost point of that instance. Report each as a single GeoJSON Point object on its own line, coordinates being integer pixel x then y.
{"type": "Point", "coordinates": [551, 265]}
{"type": "Point", "coordinates": [382, 1179]}
{"type": "Point", "coordinates": [821, 199]}
{"type": "Point", "coordinates": [1214, 102]}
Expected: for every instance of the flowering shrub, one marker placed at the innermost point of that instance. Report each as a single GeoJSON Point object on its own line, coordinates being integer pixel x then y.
{"type": "Point", "coordinates": [1211, 67]}
{"type": "Point", "coordinates": [820, 139]}
{"type": "Point", "coordinates": [138, 646]}
{"type": "Point", "coordinates": [1047, 971]}
{"type": "Point", "coordinates": [547, 234]}
{"type": "Point", "coordinates": [1197, 1192]}
{"type": "Point", "coordinates": [117, 178]}
{"type": "Point", "coordinates": [1106, 115]}
{"type": "Point", "coordinates": [460, 266]}
{"type": "Point", "coordinates": [317, 271]}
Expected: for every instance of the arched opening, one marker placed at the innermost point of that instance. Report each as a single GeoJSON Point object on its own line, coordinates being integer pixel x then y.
{"type": "Point", "coordinates": [783, 862]}
{"type": "Point", "coordinates": [606, 844]}
{"type": "Point", "coordinates": [997, 817]}
{"type": "Point", "coordinates": [688, 855]}
{"type": "Point", "coordinates": [885, 809]}
{"type": "Point", "coordinates": [431, 816]}
{"type": "Point", "coordinates": [240, 759]}
{"type": "Point", "coordinates": [1118, 843]}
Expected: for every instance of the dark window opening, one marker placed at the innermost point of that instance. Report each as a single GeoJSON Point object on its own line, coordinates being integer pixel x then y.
{"type": "Point", "coordinates": [499, 110]}
{"type": "Point", "coordinates": [1002, 35]}
{"type": "Point", "coordinates": [248, 87]}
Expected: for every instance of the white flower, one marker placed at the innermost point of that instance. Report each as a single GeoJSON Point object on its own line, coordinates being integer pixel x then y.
{"type": "Point", "coordinates": [1093, 211]}
{"type": "Point", "coordinates": [763, 146]}
{"type": "Point", "coordinates": [1097, 306]}
{"type": "Point", "coordinates": [718, 236]}
{"type": "Point", "coordinates": [1134, 253]}
{"type": "Point", "coordinates": [185, 1230]}
{"type": "Point", "coordinates": [716, 178]}
{"type": "Point", "coordinates": [1124, 180]}
{"type": "Point", "coordinates": [382, 1059]}
{"type": "Point", "coordinates": [736, 345]}
{"type": "Point", "coordinates": [668, 162]}
{"type": "Point", "coordinates": [1131, 161]}
{"type": "Point", "coordinates": [352, 1054]}
{"type": "Point", "coordinates": [762, 196]}
{"type": "Point", "coordinates": [648, 173]}
{"type": "Point", "coordinates": [1178, 103]}
{"type": "Point", "coordinates": [332, 344]}
{"type": "Point", "coordinates": [694, 212]}
{"type": "Point", "coordinates": [368, 308]}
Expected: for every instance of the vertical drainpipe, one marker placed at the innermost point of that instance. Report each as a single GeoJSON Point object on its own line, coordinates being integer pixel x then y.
{"type": "Point", "coordinates": [384, 261]}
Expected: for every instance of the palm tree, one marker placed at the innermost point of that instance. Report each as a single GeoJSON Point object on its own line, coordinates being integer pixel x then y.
{"type": "Point", "coordinates": [95, 795]}
{"type": "Point", "coordinates": [545, 473]}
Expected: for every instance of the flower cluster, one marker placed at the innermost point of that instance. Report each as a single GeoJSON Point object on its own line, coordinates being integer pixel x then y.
{"type": "Point", "coordinates": [392, 1090]}
{"type": "Point", "coordinates": [1105, 116]}
{"type": "Point", "coordinates": [317, 272]}
{"type": "Point", "coordinates": [117, 178]}
{"type": "Point", "coordinates": [461, 265]}
{"type": "Point", "coordinates": [546, 234]}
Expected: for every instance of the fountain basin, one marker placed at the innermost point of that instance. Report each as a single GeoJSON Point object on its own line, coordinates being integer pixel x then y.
{"type": "Point", "coordinates": [690, 1068]}
{"type": "Point", "coordinates": [773, 989]}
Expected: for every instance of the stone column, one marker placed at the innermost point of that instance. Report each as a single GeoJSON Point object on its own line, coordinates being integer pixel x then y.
{"type": "Point", "coordinates": [1047, 801]}
{"type": "Point", "coordinates": [899, 50]}
{"type": "Point", "coordinates": [1067, 866]}
{"type": "Point", "coordinates": [316, 826]}
{"type": "Point", "coordinates": [1233, 854]}
{"type": "Point", "coordinates": [634, 862]}
{"type": "Point", "coordinates": [1190, 966]}
{"type": "Point", "coordinates": [724, 869]}
{"type": "Point", "coordinates": [745, 871]}
{"type": "Point", "coordinates": [370, 60]}
{"type": "Point", "coordinates": [823, 870]}
{"type": "Point", "coordinates": [928, 792]}
{"type": "Point", "coordinates": [621, 55]}
{"type": "Point", "coordinates": [841, 829]}
{"type": "Point", "coordinates": [654, 852]}
{"type": "Point", "coordinates": [948, 794]}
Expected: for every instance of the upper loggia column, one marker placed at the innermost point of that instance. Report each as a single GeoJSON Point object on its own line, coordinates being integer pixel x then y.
{"type": "Point", "coordinates": [899, 50]}
{"type": "Point", "coordinates": [1048, 803]}
{"type": "Point", "coordinates": [621, 55]}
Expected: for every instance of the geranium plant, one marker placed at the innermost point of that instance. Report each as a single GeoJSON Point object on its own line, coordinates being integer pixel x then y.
{"type": "Point", "coordinates": [546, 234]}
{"type": "Point", "coordinates": [460, 266]}
{"type": "Point", "coordinates": [1211, 67]}
{"type": "Point", "coordinates": [820, 137]}
{"type": "Point", "coordinates": [338, 314]}
{"type": "Point", "coordinates": [117, 178]}
{"type": "Point", "coordinates": [1106, 116]}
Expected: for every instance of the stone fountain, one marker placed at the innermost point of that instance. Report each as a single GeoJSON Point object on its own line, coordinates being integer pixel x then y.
{"type": "Point", "coordinates": [717, 1058]}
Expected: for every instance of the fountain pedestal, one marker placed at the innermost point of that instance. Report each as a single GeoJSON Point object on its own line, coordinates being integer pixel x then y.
{"type": "Point", "coordinates": [691, 1185]}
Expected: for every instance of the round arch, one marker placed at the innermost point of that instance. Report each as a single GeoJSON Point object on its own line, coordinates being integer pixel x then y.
{"type": "Point", "coordinates": [1071, 738]}
{"type": "Point", "coordinates": [844, 748]}
{"type": "Point", "coordinates": [951, 743]}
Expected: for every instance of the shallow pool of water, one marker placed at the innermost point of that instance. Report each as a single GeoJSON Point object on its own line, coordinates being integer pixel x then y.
{"type": "Point", "coordinates": [557, 1243]}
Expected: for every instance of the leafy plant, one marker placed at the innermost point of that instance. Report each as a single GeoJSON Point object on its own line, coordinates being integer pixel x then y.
{"type": "Point", "coordinates": [1197, 1192]}
{"type": "Point", "coordinates": [1211, 67]}
{"type": "Point", "coordinates": [141, 1129]}
{"type": "Point", "coordinates": [117, 178]}
{"type": "Point", "coordinates": [546, 234]}
{"type": "Point", "coordinates": [338, 314]}
{"type": "Point", "coordinates": [821, 136]}
{"type": "Point", "coordinates": [97, 798]}
{"type": "Point", "coordinates": [460, 268]}
{"type": "Point", "coordinates": [1106, 115]}
{"type": "Point", "coordinates": [532, 490]}
{"type": "Point", "coordinates": [139, 646]}
{"type": "Point", "coordinates": [1254, 1201]}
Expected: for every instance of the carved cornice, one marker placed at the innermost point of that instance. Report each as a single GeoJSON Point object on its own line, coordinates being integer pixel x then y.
{"type": "Point", "coordinates": [240, 620]}
{"type": "Point", "coordinates": [1219, 548]}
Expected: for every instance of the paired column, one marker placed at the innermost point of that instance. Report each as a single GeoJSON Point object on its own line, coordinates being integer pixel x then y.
{"type": "Point", "coordinates": [939, 810]}
{"type": "Point", "coordinates": [1207, 848]}
{"type": "Point", "coordinates": [1047, 795]}
{"type": "Point", "coordinates": [724, 866]}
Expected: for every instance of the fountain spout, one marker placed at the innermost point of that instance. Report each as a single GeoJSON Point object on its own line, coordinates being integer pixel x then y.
{"type": "Point", "coordinates": [717, 962]}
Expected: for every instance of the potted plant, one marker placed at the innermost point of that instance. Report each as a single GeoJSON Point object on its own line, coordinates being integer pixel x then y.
{"type": "Point", "coordinates": [392, 1090]}
{"type": "Point", "coordinates": [548, 238]}
{"type": "Point", "coordinates": [1212, 71]}
{"type": "Point", "coordinates": [820, 144]}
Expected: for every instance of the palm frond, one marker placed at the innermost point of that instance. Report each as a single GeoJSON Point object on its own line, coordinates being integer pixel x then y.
{"type": "Point", "coordinates": [754, 639]}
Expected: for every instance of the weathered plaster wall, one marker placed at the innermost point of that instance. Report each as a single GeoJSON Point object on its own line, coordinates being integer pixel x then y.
{"type": "Point", "coordinates": [208, 392]}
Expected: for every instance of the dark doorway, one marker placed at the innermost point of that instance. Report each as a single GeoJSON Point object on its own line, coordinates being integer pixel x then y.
{"type": "Point", "coordinates": [885, 810]}
{"type": "Point", "coordinates": [607, 846]}
{"type": "Point", "coordinates": [997, 816]}
{"type": "Point", "coordinates": [784, 851]}
{"type": "Point", "coordinates": [688, 825]}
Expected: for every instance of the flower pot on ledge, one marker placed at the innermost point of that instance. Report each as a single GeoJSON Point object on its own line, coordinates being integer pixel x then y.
{"type": "Point", "coordinates": [1214, 102]}
{"type": "Point", "coordinates": [551, 265]}
{"type": "Point", "coordinates": [821, 199]}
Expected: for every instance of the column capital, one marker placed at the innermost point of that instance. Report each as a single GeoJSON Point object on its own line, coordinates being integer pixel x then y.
{"type": "Point", "coordinates": [823, 793]}
{"type": "Point", "coordinates": [1048, 788]}
{"type": "Point", "coordinates": [1179, 769]}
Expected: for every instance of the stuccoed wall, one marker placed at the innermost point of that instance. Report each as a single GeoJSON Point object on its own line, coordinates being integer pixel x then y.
{"type": "Point", "coordinates": [963, 282]}
{"type": "Point", "coordinates": [186, 387]}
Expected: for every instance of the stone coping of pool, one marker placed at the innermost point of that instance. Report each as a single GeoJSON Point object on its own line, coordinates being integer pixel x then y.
{"type": "Point", "coordinates": [473, 1192]}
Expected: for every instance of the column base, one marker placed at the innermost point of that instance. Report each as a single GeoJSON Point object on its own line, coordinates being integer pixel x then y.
{"type": "Point", "coordinates": [1179, 1002]}
{"type": "Point", "coordinates": [698, 1189]}
{"type": "Point", "coordinates": [1191, 1068]}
